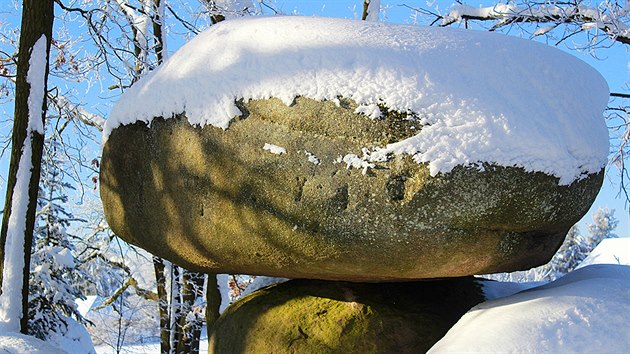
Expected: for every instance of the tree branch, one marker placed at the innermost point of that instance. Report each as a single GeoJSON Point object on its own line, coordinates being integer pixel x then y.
{"type": "Point", "coordinates": [621, 95]}
{"type": "Point", "coordinates": [506, 14]}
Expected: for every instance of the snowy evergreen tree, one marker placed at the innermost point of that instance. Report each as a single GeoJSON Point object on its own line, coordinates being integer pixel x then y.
{"type": "Point", "coordinates": [55, 278]}
{"type": "Point", "coordinates": [603, 226]}
{"type": "Point", "coordinates": [571, 253]}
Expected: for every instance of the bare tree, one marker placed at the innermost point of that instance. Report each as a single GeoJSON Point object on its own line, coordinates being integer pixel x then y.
{"type": "Point", "coordinates": [26, 155]}
{"type": "Point", "coordinates": [371, 10]}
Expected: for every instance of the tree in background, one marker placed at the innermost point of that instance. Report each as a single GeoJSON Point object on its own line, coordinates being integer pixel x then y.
{"type": "Point", "coordinates": [371, 10]}
{"type": "Point", "coordinates": [27, 144]}
{"type": "Point", "coordinates": [577, 247]}
{"type": "Point", "coordinates": [603, 226]}
{"type": "Point", "coordinates": [55, 279]}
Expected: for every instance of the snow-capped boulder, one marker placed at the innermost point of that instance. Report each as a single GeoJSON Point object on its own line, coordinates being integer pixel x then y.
{"type": "Point", "coordinates": [392, 152]}
{"type": "Point", "coordinates": [312, 316]}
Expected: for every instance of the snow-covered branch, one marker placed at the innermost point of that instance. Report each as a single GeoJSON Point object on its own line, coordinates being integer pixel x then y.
{"type": "Point", "coordinates": [131, 282]}
{"type": "Point", "coordinates": [74, 111]}
{"type": "Point", "coordinates": [609, 17]}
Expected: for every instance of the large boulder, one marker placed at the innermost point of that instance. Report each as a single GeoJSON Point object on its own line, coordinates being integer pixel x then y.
{"type": "Point", "coordinates": [307, 316]}
{"type": "Point", "coordinates": [348, 150]}
{"type": "Point", "coordinates": [216, 201]}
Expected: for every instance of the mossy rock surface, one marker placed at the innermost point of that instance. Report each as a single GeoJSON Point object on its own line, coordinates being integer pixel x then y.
{"type": "Point", "coordinates": [311, 316]}
{"type": "Point", "coordinates": [213, 200]}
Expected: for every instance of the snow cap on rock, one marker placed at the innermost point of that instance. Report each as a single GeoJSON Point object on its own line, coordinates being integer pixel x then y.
{"type": "Point", "coordinates": [479, 97]}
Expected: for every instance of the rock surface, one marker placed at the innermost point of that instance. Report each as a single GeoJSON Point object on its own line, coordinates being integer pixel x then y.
{"type": "Point", "coordinates": [306, 316]}
{"type": "Point", "coordinates": [216, 201]}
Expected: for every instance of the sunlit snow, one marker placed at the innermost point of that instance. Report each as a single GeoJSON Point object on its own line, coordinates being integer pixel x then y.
{"type": "Point", "coordinates": [482, 97]}
{"type": "Point", "coordinates": [274, 149]}
{"type": "Point", "coordinates": [586, 311]}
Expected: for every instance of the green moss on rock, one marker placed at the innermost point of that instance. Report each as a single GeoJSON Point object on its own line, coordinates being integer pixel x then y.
{"type": "Point", "coordinates": [305, 316]}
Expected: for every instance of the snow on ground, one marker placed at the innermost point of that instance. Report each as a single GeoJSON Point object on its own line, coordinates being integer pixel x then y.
{"type": "Point", "coordinates": [76, 339]}
{"type": "Point", "coordinates": [85, 305]}
{"type": "Point", "coordinates": [586, 311]}
{"type": "Point", "coordinates": [16, 343]}
{"type": "Point", "coordinates": [480, 97]}
{"type": "Point", "coordinates": [610, 251]}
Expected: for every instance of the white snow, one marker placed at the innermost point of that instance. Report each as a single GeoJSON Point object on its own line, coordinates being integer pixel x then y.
{"type": "Point", "coordinates": [370, 110]}
{"type": "Point", "coordinates": [541, 31]}
{"type": "Point", "coordinates": [498, 289]}
{"type": "Point", "coordinates": [483, 97]}
{"type": "Point", "coordinates": [312, 158]}
{"type": "Point", "coordinates": [85, 305]}
{"type": "Point", "coordinates": [36, 78]}
{"type": "Point", "coordinates": [11, 297]}
{"type": "Point", "coordinates": [16, 343]}
{"type": "Point", "coordinates": [607, 16]}
{"type": "Point", "coordinates": [586, 311]}
{"type": "Point", "coordinates": [609, 251]}
{"type": "Point", "coordinates": [274, 149]}
{"type": "Point", "coordinates": [63, 257]}
{"type": "Point", "coordinates": [75, 340]}
{"type": "Point", "coordinates": [354, 161]}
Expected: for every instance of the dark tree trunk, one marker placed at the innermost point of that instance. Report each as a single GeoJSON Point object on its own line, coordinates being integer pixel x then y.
{"type": "Point", "coordinates": [213, 302]}
{"type": "Point", "coordinates": [366, 7]}
{"type": "Point", "coordinates": [158, 23]}
{"type": "Point", "coordinates": [37, 20]}
{"type": "Point", "coordinates": [189, 328]}
{"type": "Point", "coordinates": [158, 263]}
{"type": "Point", "coordinates": [165, 331]}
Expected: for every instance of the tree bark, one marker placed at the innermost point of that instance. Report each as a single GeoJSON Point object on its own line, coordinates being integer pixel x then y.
{"type": "Point", "coordinates": [189, 327]}
{"type": "Point", "coordinates": [366, 6]}
{"type": "Point", "coordinates": [37, 21]}
{"type": "Point", "coordinates": [165, 331]}
{"type": "Point", "coordinates": [213, 303]}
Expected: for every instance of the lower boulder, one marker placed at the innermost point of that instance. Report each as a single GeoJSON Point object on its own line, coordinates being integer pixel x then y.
{"type": "Point", "coordinates": [312, 316]}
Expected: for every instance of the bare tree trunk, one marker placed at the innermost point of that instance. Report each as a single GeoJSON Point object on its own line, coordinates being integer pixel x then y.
{"type": "Point", "coordinates": [189, 327]}
{"type": "Point", "coordinates": [160, 277]}
{"type": "Point", "coordinates": [213, 302]}
{"type": "Point", "coordinates": [37, 22]}
{"type": "Point", "coordinates": [366, 6]}
{"type": "Point", "coordinates": [157, 22]}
